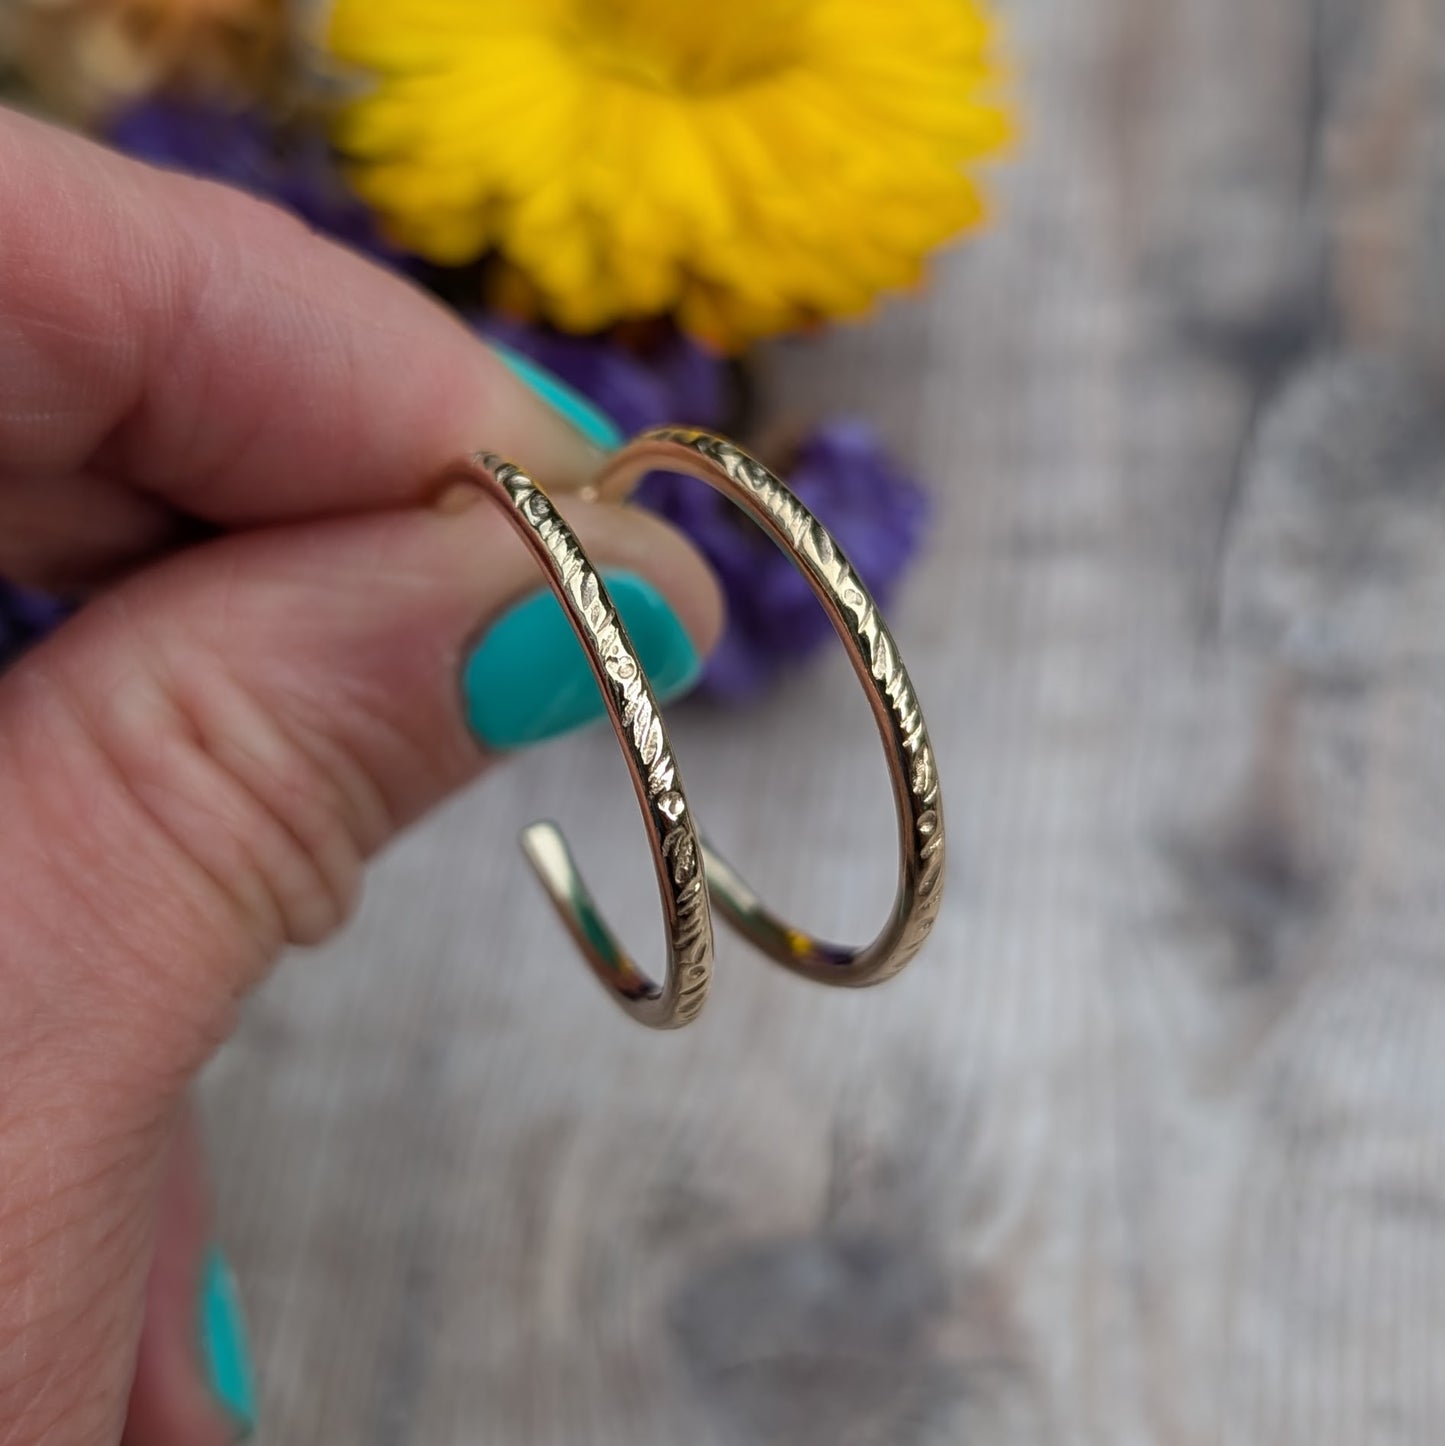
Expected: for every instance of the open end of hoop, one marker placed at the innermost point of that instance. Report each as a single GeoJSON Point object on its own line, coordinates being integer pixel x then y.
{"type": "Point", "coordinates": [747, 913]}
{"type": "Point", "coordinates": [551, 858]}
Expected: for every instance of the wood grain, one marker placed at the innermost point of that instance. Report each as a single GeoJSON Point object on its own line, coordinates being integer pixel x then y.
{"type": "Point", "coordinates": [1147, 1146]}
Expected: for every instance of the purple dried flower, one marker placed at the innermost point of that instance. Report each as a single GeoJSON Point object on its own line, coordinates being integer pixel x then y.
{"type": "Point", "coordinates": [673, 380]}
{"type": "Point", "coordinates": [841, 470]}
{"type": "Point", "coordinates": [25, 618]}
{"type": "Point", "coordinates": [293, 167]}
{"type": "Point", "coordinates": [875, 510]}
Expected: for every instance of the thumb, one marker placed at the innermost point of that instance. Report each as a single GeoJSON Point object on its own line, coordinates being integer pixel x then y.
{"type": "Point", "coordinates": [192, 774]}
{"type": "Point", "coordinates": [195, 770]}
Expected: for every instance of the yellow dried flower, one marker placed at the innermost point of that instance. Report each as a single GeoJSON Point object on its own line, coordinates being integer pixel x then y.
{"type": "Point", "coordinates": [752, 166]}
{"type": "Point", "coordinates": [82, 58]}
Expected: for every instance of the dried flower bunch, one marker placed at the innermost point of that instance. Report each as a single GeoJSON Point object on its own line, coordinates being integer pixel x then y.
{"type": "Point", "coordinates": [82, 58]}
{"type": "Point", "coordinates": [630, 192]}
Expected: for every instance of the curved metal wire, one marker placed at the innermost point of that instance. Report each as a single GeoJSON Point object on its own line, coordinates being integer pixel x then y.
{"type": "Point", "coordinates": [671, 834]}
{"type": "Point", "coordinates": [874, 655]}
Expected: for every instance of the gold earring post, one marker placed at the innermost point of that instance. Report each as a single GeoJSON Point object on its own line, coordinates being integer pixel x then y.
{"type": "Point", "coordinates": [638, 723]}
{"type": "Point", "coordinates": [875, 658]}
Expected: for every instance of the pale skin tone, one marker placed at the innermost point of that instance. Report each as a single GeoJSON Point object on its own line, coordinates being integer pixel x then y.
{"type": "Point", "coordinates": [194, 771]}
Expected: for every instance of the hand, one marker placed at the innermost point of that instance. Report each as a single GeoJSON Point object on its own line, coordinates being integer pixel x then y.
{"type": "Point", "coordinates": [195, 768]}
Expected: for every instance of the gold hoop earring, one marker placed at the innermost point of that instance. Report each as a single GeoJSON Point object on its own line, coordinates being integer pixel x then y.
{"type": "Point", "coordinates": [874, 655]}
{"type": "Point", "coordinates": [637, 721]}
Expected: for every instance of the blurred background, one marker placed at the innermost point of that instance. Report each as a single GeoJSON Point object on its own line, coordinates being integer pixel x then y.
{"type": "Point", "coordinates": [1149, 459]}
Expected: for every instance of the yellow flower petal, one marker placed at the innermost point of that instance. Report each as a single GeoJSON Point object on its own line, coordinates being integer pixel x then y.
{"type": "Point", "coordinates": [751, 167]}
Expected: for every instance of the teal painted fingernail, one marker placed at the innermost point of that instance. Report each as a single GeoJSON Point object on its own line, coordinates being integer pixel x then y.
{"type": "Point", "coordinates": [593, 423]}
{"type": "Point", "coordinates": [529, 678]}
{"type": "Point", "coordinates": [225, 1352]}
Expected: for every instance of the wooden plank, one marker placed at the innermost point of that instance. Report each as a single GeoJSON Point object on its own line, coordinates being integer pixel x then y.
{"type": "Point", "coordinates": [1146, 1147]}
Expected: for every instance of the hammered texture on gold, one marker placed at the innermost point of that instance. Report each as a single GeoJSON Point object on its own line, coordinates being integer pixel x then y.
{"type": "Point", "coordinates": [876, 660]}
{"type": "Point", "coordinates": [640, 729]}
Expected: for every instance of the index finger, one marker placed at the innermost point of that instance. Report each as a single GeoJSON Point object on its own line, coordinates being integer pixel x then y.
{"type": "Point", "coordinates": [209, 350]}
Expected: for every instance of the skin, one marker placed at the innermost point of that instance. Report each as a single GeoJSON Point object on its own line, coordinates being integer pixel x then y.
{"type": "Point", "coordinates": [229, 431]}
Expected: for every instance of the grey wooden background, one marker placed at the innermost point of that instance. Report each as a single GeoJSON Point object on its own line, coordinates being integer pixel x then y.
{"type": "Point", "coordinates": [1149, 1146]}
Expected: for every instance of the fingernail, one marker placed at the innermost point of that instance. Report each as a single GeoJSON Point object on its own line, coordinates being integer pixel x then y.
{"type": "Point", "coordinates": [591, 421]}
{"type": "Point", "coordinates": [224, 1348]}
{"type": "Point", "coordinates": [529, 678]}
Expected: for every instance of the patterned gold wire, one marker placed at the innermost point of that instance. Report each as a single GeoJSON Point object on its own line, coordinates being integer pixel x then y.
{"type": "Point", "coordinates": [875, 658]}
{"type": "Point", "coordinates": [672, 836]}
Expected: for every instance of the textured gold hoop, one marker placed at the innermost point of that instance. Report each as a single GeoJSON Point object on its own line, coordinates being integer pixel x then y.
{"type": "Point", "coordinates": [874, 655]}
{"type": "Point", "coordinates": [676, 851]}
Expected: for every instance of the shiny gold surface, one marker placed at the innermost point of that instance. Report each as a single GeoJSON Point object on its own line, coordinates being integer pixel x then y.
{"type": "Point", "coordinates": [633, 710]}
{"type": "Point", "coordinates": [874, 654]}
